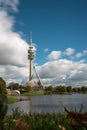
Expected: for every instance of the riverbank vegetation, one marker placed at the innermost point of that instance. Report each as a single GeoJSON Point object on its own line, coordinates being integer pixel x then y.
{"type": "Point", "coordinates": [32, 92]}
{"type": "Point", "coordinates": [12, 100]}
{"type": "Point", "coordinates": [40, 121]}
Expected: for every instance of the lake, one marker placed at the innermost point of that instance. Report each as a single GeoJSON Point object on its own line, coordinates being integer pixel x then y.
{"type": "Point", "coordinates": [49, 103]}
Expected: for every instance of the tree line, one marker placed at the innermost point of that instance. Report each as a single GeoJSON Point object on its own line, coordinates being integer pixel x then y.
{"type": "Point", "coordinates": [64, 89]}
{"type": "Point", "coordinates": [47, 89]}
{"type": "Point", "coordinates": [50, 89]}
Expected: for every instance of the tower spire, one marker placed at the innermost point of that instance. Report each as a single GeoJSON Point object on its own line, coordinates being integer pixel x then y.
{"type": "Point", "coordinates": [30, 38]}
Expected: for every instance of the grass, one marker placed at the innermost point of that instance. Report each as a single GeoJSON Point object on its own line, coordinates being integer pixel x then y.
{"type": "Point", "coordinates": [35, 92]}
{"type": "Point", "coordinates": [40, 121]}
{"type": "Point", "coordinates": [12, 100]}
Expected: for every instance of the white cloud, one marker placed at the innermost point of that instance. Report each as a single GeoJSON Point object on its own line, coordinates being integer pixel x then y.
{"type": "Point", "coordinates": [82, 61]}
{"type": "Point", "coordinates": [9, 5]}
{"type": "Point", "coordinates": [69, 51]}
{"type": "Point", "coordinates": [46, 50]}
{"type": "Point", "coordinates": [6, 22]}
{"type": "Point", "coordinates": [65, 72]}
{"type": "Point", "coordinates": [85, 52]}
{"type": "Point", "coordinates": [13, 49]}
{"type": "Point", "coordinates": [78, 55]}
{"type": "Point", "coordinates": [14, 73]}
{"type": "Point", "coordinates": [54, 55]}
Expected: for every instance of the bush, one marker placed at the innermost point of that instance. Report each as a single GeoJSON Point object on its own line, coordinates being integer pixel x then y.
{"type": "Point", "coordinates": [3, 102]}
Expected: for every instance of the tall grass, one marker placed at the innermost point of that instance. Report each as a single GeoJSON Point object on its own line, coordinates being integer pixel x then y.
{"type": "Point", "coordinates": [40, 121]}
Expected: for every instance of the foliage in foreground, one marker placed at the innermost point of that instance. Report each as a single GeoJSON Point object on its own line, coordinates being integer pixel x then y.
{"type": "Point", "coordinates": [3, 101]}
{"type": "Point", "coordinates": [39, 121]}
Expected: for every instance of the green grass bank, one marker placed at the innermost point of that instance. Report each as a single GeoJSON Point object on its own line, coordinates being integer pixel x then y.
{"type": "Point", "coordinates": [12, 100]}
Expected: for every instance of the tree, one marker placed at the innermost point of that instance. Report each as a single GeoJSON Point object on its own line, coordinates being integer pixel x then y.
{"type": "Point", "coordinates": [83, 89]}
{"type": "Point", "coordinates": [2, 87]}
{"type": "Point", "coordinates": [13, 86]}
{"type": "Point", "coordinates": [75, 90]}
{"type": "Point", "coordinates": [61, 88]}
{"type": "Point", "coordinates": [27, 88]}
{"type": "Point", "coordinates": [3, 101]}
{"type": "Point", "coordinates": [69, 89]}
{"type": "Point", "coordinates": [48, 90]}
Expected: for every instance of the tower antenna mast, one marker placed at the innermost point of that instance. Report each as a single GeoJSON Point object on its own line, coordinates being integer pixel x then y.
{"type": "Point", "coordinates": [30, 38]}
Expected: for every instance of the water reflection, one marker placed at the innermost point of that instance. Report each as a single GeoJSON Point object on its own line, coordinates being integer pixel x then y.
{"type": "Point", "coordinates": [50, 103]}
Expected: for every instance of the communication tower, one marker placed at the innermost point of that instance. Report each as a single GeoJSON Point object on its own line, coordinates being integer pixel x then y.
{"type": "Point", "coordinates": [31, 52]}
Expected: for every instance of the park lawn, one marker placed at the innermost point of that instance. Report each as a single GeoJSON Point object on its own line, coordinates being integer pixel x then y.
{"type": "Point", "coordinates": [33, 92]}
{"type": "Point", "coordinates": [12, 100]}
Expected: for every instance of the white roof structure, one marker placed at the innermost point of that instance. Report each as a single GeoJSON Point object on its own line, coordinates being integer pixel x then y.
{"type": "Point", "coordinates": [31, 83]}
{"type": "Point", "coordinates": [17, 91]}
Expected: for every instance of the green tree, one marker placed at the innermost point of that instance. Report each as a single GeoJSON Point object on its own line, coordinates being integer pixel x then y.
{"type": "Point", "coordinates": [69, 89]}
{"type": "Point", "coordinates": [27, 88]}
{"type": "Point", "coordinates": [3, 101]}
{"type": "Point", "coordinates": [61, 88]}
{"type": "Point", "coordinates": [2, 87]}
{"type": "Point", "coordinates": [48, 90]}
{"type": "Point", "coordinates": [13, 86]}
{"type": "Point", "coordinates": [84, 89]}
{"type": "Point", "coordinates": [76, 90]}
{"type": "Point", "coordinates": [16, 86]}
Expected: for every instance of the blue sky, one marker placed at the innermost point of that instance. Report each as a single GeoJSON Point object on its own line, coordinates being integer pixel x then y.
{"type": "Point", "coordinates": [55, 24]}
{"type": "Point", "coordinates": [59, 32]}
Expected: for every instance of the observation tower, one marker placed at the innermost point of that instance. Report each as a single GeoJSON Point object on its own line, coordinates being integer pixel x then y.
{"type": "Point", "coordinates": [31, 53]}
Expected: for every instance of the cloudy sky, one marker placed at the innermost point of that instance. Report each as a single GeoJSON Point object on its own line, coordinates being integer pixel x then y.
{"type": "Point", "coordinates": [59, 32]}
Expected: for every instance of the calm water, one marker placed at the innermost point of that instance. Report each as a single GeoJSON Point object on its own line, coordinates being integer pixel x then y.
{"type": "Point", "coordinates": [50, 103]}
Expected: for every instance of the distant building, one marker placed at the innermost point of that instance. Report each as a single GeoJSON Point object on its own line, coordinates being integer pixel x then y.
{"type": "Point", "coordinates": [13, 92]}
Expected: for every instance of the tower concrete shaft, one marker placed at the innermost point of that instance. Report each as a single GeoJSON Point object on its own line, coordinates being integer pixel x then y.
{"type": "Point", "coordinates": [30, 70]}
{"type": "Point", "coordinates": [30, 57]}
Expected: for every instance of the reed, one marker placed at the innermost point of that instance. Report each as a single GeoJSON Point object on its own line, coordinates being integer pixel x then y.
{"type": "Point", "coordinates": [38, 121]}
